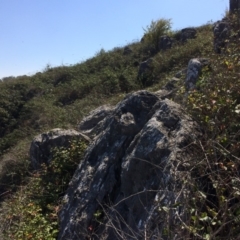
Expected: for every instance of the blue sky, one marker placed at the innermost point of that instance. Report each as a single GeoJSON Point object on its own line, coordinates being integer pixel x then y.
{"type": "Point", "coordinates": [35, 33]}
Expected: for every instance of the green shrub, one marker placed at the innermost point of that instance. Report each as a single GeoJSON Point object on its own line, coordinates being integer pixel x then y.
{"type": "Point", "coordinates": [155, 30]}
{"type": "Point", "coordinates": [214, 206]}
{"type": "Point", "coordinates": [31, 213]}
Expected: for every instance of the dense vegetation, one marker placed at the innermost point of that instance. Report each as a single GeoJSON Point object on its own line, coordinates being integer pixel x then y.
{"type": "Point", "coordinates": [61, 96]}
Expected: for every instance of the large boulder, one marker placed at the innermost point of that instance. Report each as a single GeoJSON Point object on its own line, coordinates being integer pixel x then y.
{"type": "Point", "coordinates": [43, 144]}
{"type": "Point", "coordinates": [130, 184]}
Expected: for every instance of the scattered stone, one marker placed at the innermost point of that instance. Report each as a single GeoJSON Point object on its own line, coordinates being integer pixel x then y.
{"type": "Point", "coordinates": [188, 33]}
{"type": "Point", "coordinates": [41, 146]}
{"type": "Point", "coordinates": [193, 71]}
{"type": "Point", "coordinates": [165, 42]}
{"type": "Point", "coordinates": [221, 31]}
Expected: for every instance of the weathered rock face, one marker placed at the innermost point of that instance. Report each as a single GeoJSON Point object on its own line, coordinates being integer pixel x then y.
{"type": "Point", "coordinates": [165, 42]}
{"type": "Point", "coordinates": [41, 146]}
{"type": "Point", "coordinates": [194, 68]}
{"type": "Point", "coordinates": [132, 171]}
{"type": "Point", "coordinates": [221, 31]}
{"type": "Point", "coordinates": [92, 124]}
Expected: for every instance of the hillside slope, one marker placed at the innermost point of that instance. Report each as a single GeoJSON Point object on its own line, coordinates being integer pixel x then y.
{"type": "Point", "coordinates": [62, 96]}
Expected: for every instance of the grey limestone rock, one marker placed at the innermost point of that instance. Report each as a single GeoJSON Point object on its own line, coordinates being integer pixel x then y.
{"type": "Point", "coordinates": [41, 146]}
{"type": "Point", "coordinates": [131, 171]}
{"type": "Point", "coordinates": [91, 125]}
{"type": "Point", "coordinates": [193, 71]}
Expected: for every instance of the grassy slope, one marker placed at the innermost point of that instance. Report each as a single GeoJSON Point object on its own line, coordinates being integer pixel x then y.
{"type": "Point", "coordinates": [60, 97]}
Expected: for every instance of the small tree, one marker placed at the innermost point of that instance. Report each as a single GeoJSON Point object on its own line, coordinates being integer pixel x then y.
{"type": "Point", "coordinates": [155, 30]}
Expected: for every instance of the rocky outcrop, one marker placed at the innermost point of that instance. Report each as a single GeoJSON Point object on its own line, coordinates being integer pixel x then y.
{"type": "Point", "coordinates": [185, 34]}
{"type": "Point", "coordinates": [221, 32]}
{"type": "Point", "coordinates": [165, 42]}
{"type": "Point", "coordinates": [130, 184]}
{"type": "Point", "coordinates": [194, 68]}
{"type": "Point", "coordinates": [93, 123]}
{"type": "Point", "coordinates": [41, 146]}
